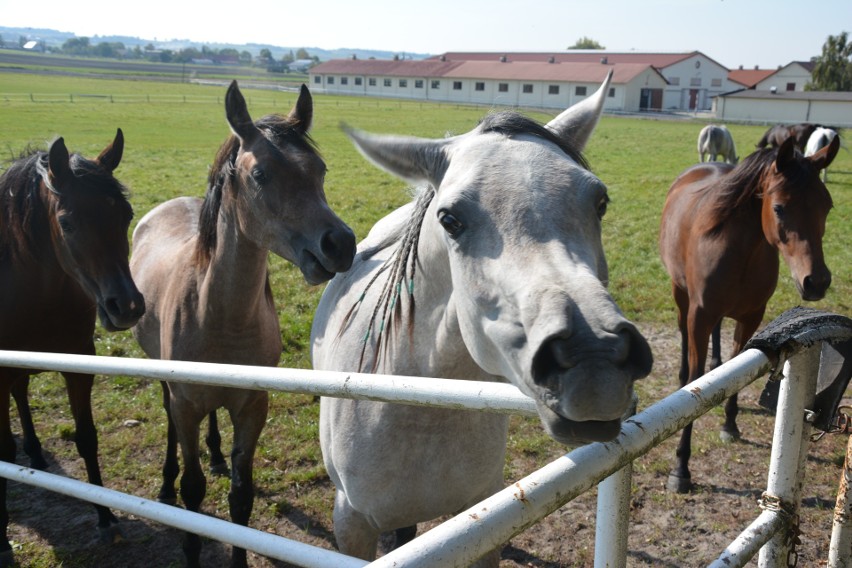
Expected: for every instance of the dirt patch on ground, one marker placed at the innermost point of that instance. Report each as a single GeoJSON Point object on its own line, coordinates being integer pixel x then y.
{"type": "Point", "coordinates": [666, 529]}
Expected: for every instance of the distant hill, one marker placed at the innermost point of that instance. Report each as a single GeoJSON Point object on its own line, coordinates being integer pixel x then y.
{"type": "Point", "coordinates": [54, 38]}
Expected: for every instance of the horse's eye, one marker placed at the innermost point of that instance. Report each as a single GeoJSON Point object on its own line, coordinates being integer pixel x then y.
{"type": "Point", "coordinates": [66, 225]}
{"type": "Point", "coordinates": [779, 211]}
{"type": "Point", "coordinates": [602, 206]}
{"type": "Point", "coordinates": [450, 223]}
{"type": "Point", "coordinates": [258, 175]}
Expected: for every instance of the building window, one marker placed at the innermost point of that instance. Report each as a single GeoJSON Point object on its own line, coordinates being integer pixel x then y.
{"type": "Point", "coordinates": [331, 80]}
{"type": "Point", "coordinates": [436, 84]}
{"type": "Point", "coordinates": [553, 89]}
{"type": "Point", "coordinates": [527, 88]}
{"type": "Point", "coordinates": [387, 83]}
{"type": "Point", "coordinates": [317, 79]}
{"type": "Point", "coordinates": [791, 86]}
{"type": "Point", "coordinates": [418, 84]}
{"type": "Point", "coordinates": [579, 91]}
{"type": "Point", "coordinates": [403, 83]}
{"type": "Point", "coordinates": [695, 82]}
{"type": "Point", "coordinates": [344, 80]}
{"type": "Point", "coordinates": [611, 93]}
{"type": "Point", "coordinates": [480, 86]}
{"type": "Point", "coordinates": [503, 87]}
{"type": "Point", "coordinates": [716, 82]}
{"type": "Point", "coordinates": [675, 81]}
{"type": "Point", "coordinates": [371, 81]}
{"type": "Point", "coordinates": [457, 85]}
{"type": "Point", "coordinates": [358, 81]}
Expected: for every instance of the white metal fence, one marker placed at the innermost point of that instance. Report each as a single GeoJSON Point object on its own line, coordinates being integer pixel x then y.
{"type": "Point", "coordinates": [464, 538]}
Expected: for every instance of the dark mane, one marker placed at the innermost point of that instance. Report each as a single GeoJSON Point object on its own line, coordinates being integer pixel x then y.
{"type": "Point", "coordinates": [741, 184]}
{"type": "Point", "coordinates": [511, 123]}
{"type": "Point", "coordinates": [23, 215]}
{"type": "Point", "coordinates": [281, 131]}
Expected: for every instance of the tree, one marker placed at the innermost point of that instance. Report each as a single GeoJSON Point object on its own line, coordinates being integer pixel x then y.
{"type": "Point", "coordinates": [586, 43]}
{"type": "Point", "coordinates": [833, 69]}
{"type": "Point", "coordinates": [302, 53]}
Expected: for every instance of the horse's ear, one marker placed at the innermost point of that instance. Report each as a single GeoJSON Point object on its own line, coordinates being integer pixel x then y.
{"type": "Point", "coordinates": [111, 155]}
{"type": "Point", "coordinates": [413, 159]}
{"type": "Point", "coordinates": [58, 163]}
{"type": "Point", "coordinates": [576, 124]}
{"type": "Point", "coordinates": [303, 113]}
{"type": "Point", "coordinates": [823, 158]}
{"type": "Point", "coordinates": [786, 154]}
{"type": "Point", "coordinates": [237, 113]}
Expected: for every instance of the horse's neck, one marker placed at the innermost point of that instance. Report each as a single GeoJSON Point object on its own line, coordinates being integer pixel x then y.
{"type": "Point", "coordinates": [235, 282]}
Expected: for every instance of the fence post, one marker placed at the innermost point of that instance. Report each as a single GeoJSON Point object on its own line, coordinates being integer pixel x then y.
{"type": "Point", "coordinates": [789, 452]}
{"type": "Point", "coordinates": [840, 550]}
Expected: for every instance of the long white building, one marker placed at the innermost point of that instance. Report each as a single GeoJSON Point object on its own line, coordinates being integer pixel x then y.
{"type": "Point", "coordinates": [681, 81]}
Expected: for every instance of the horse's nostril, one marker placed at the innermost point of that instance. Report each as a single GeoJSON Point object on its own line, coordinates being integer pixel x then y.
{"type": "Point", "coordinates": [338, 246]}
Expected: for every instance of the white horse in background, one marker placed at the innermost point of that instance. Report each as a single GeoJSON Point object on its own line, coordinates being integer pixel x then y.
{"type": "Point", "coordinates": [819, 139]}
{"type": "Point", "coordinates": [716, 141]}
{"type": "Point", "coordinates": [501, 249]}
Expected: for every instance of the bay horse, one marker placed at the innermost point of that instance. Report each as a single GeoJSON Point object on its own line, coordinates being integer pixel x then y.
{"type": "Point", "coordinates": [776, 135]}
{"type": "Point", "coordinates": [721, 231]}
{"type": "Point", "coordinates": [501, 250]}
{"type": "Point", "coordinates": [64, 223]}
{"type": "Point", "coordinates": [202, 265]}
{"type": "Point", "coordinates": [714, 141]}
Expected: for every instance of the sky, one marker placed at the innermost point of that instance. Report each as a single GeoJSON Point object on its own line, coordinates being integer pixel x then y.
{"type": "Point", "coordinates": [764, 33]}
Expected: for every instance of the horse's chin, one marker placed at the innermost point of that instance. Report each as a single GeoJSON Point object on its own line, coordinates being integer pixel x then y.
{"type": "Point", "coordinates": [574, 433]}
{"type": "Point", "coordinates": [108, 324]}
{"type": "Point", "coordinates": [312, 269]}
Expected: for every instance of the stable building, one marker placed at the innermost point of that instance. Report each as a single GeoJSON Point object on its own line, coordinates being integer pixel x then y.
{"type": "Point", "coordinates": [497, 82]}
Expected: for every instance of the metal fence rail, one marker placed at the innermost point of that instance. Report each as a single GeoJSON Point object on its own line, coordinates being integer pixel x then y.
{"type": "Point", "coordinates": [464, 538]}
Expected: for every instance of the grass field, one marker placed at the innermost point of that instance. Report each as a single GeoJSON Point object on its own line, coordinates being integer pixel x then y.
{"type": "Point", "coordinates": [172, 132]}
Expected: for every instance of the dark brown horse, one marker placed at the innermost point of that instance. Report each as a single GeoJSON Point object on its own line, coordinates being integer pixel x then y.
{"type": "Point", "coordinates": [202, 265]}
{"type": "Point", "coordinates": [63, 259]}
{"type": "Point", "coordinates": [722, 229]}
{"type": "Point", "coordinates": [776, 135]}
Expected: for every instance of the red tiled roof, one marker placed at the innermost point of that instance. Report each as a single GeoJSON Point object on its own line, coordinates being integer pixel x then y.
{"type": "Point", "coordinates": [592, 72]}
{"type": "Point", "coordinates": [386, 67]}
{"type": "Point", "coordinates": [658, 60]}
{"type": "Point", "coordinates": [749, 77]}
{"type": "Point", "coordinates": [535, 71]}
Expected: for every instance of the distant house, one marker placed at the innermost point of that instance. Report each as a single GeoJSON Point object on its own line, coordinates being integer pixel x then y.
{"type": "Point", "coordinates": [499, 81]}
{"type": "Point", "coordinates": [300, 65]}
{"type": "Point", "coordinates": [791, 77]}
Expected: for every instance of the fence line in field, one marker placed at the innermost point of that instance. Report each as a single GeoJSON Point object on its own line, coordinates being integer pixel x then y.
{"type": "Point", "coordinates": [464, 538]}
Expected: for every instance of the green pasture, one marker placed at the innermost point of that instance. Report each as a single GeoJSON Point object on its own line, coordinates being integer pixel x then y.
{"type": "Point", "coordinates": [172, 131]}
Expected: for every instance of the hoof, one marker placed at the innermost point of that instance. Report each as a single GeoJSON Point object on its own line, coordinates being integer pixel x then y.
{"type": "Point", "coordinates": [729, 437]}
{"type": "Point", "coordinates": [38, 463]}
{"type": "Point", "coordinates": [167, 500]}
{"type": "Point", "coordinates": [677, 484]}
{"type": "Point", "coordinates": [220, 469]}
{"type": "Point", "coordinates": [7, 559]}
{"type": "Point", "coordinates": [110, 534]}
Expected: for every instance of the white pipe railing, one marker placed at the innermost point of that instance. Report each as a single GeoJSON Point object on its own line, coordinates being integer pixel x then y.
{"type": "Point", "coordinates": [466, 537]}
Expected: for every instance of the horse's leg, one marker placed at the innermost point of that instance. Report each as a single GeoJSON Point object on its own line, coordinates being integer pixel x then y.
{"type": "Point", "coordinates": [353, 533]}
{"type": "Point", "coordinates": [7, 454]}
{"type": "Point", "coordinates": [171, 468]}
{"type": "Point", "coordinates": [193, 484]}
{"type": "Point", "coordinates": [404, 535]}
{"type": "Point", "coordinates": [218, 465]}
{"type": "Point", "coordinates": [742, 333]}
{"type": "Point", "coordinates": [716, 346]}
{"type": "Point", "coordinates": [32, 445]}
{"type": "Point", "coordinates": [79, 387]}
{"type": "Point", "coordinates": [248, 421]}
{"type": "Point", "coordinates": [698, 330]}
